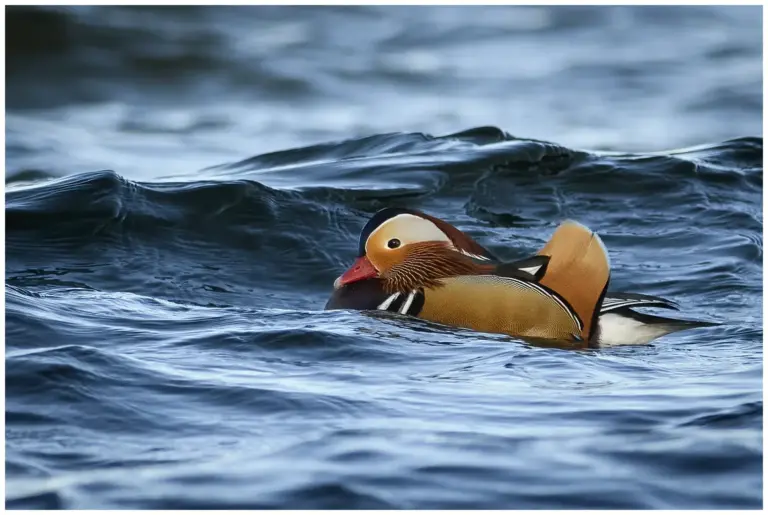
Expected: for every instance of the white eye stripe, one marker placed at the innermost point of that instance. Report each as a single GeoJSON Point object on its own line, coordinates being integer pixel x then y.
{"type": "Point", "coordinates": [388, 302]}
{"type": "Point", "coordinates": [408, 229]}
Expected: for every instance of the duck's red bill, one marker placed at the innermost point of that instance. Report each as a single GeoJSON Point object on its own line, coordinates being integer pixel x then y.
{"type": "Point", "coordinates": [360, 269]}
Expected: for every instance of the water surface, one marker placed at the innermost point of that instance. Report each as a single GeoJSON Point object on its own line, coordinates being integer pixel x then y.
{"type": "Point", "coordinates": [184, 185]}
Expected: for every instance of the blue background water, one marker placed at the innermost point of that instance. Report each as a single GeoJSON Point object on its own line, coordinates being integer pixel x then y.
{"type": "Point", "coordinates": [184, 184]}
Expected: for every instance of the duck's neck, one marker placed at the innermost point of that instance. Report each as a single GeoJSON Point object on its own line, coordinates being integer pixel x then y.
{"type": "Point", "coordinates": [426, 264]}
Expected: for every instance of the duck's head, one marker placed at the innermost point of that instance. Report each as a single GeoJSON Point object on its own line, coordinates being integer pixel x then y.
{"type": "Point", "coordinates": [408, 249]}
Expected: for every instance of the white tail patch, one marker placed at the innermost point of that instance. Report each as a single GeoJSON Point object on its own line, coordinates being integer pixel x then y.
{"type": "Point", "coordinates": [620, 330]}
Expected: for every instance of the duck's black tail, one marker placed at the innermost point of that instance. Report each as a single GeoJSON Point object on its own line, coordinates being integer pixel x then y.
{"type": "Point", "coordinates": [618, 324]}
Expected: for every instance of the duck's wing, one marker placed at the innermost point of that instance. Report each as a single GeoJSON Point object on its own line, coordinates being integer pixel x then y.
{"type": "Point", "coordinates": [574, 266]}
{"type": "Point", "coordinates": [568, 276]}
{"type": "Point", "coordinates": [498, 304]}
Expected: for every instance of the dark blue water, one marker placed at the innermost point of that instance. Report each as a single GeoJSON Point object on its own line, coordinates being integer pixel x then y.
{"type": "Point", "coordinates": [184, 185]}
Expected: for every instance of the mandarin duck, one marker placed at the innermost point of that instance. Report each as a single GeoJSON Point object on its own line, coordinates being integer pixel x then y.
{"type": "Point", "coordinates": [417, 265]}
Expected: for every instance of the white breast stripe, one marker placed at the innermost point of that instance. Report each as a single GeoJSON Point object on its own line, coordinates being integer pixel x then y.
{"type": "Point", "coordinates": [407, 303]}
{"type": "Point", "coordinates": [388, 302]}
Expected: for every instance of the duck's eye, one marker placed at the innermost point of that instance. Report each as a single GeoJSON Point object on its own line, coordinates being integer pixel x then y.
{"type": "Point", "coordinates": [393, 243]}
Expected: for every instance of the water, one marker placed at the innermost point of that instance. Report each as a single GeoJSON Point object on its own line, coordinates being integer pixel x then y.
{"type": "Point", "coordinates": [184, 185]}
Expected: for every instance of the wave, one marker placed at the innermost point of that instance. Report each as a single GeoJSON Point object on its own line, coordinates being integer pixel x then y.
{"type": "Point", "coordinates": [295, 215]}
{"type": "Point", "coordinates": [485, 165]}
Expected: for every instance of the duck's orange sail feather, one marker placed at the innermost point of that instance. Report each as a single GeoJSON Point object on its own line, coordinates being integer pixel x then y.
{"type": "Point", "coordinates": [578, 270]}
